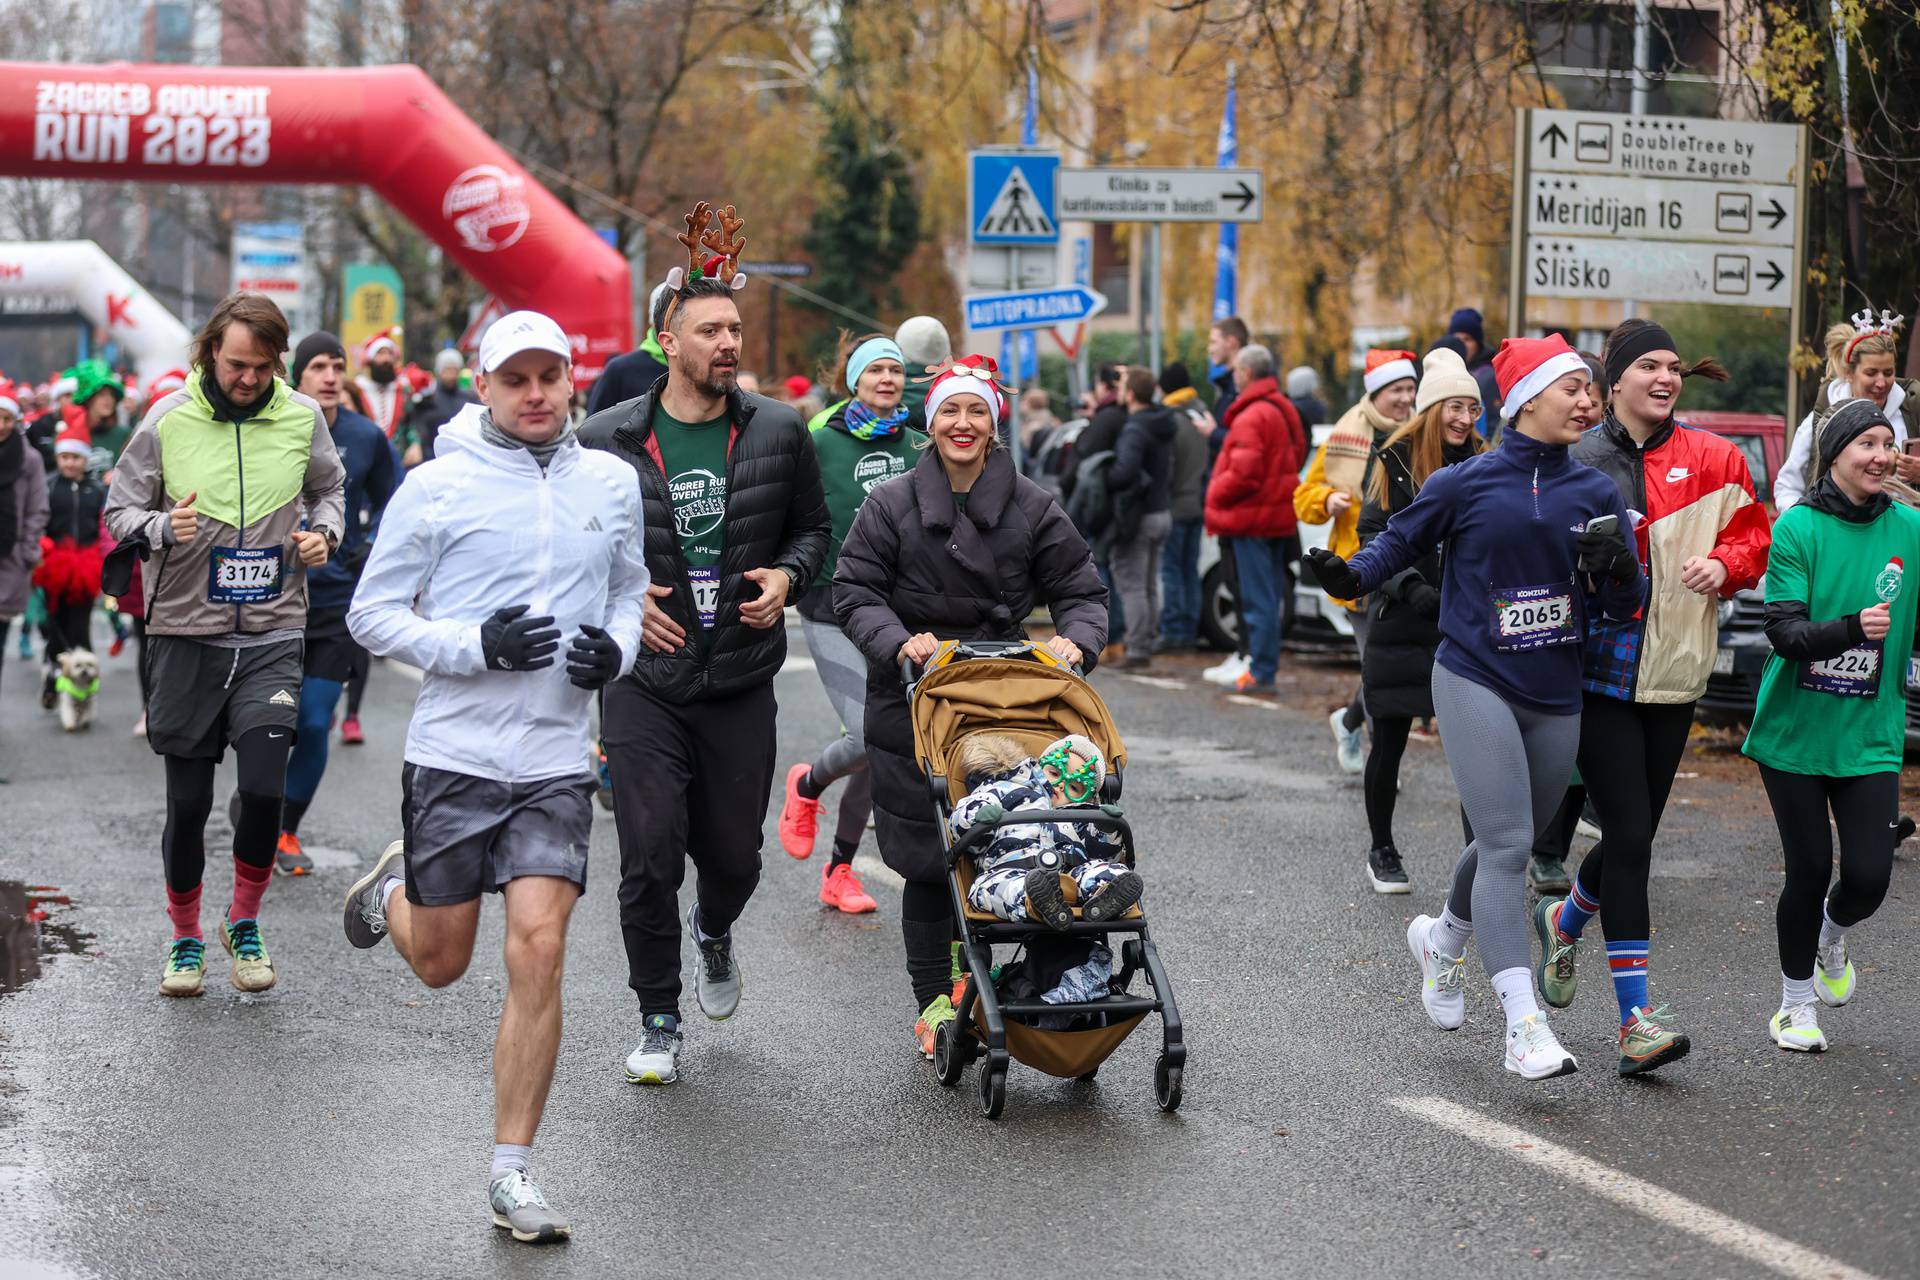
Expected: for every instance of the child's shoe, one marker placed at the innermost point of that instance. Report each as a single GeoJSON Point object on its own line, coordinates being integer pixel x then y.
{"type": "Point", "coordinates": [1113, 899]}
{"type": "Point", "coordinates": [1046, 903]}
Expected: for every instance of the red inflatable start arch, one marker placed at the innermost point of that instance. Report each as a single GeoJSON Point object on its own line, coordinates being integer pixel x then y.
{"type": "Point", "coordinates": [388, 128]}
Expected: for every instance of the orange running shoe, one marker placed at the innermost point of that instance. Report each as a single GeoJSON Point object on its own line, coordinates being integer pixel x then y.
{"type": "Point", "coordinates": [289, 859]}
{"type": "Point", "coordinates": [800, 820]}
{"type": "Point", "coordinates": [842, 890]}
{"type": "Point", "coordinates": [930, 1021]}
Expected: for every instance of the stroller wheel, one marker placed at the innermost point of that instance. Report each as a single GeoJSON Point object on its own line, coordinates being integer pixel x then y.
{"type": "Point", "coordinates": [1166, 1084]}
{"type": "Point", "coordinates": [949, 1060]}
{"type": "Point", "coordinates": [993, 1090]}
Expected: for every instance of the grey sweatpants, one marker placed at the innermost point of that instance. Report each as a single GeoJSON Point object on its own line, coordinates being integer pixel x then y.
{"type": "Point", "coordinates": [1510, 765]}
{"type": "Point", "coordinates": [843, 671]}
{"type": "Point", "coordinates": [1136, 576]}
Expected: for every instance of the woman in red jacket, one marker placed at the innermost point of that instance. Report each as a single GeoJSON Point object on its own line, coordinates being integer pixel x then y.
{"type": "Point", "coordinates": [1250, 502]}
{"type": "Point", "coordinates": [1701, 536]}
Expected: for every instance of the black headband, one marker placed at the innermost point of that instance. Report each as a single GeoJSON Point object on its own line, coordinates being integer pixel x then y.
{"type": "Point", "coordinates": [1852, 419]}
{"type": "Point", "coordinates": [1622, 354]}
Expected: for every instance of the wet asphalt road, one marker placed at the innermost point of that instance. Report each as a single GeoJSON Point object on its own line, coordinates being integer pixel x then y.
{"type": "Point", "coordinates": [342, 1123]}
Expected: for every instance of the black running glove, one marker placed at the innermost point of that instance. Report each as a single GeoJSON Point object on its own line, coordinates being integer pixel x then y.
{"type": "Point", "coordinates": [1608, 555]}
{"type": "Point", "coordinates": [593, 658]}
{"type": "Point", "coordinates": [513, 642]}
{"type": "Point", "coordinates": [1424, 598]}
{"type": "Point", "coordinates": [1336, 578]}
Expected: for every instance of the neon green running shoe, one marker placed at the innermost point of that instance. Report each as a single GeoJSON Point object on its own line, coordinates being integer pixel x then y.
{"type": "Point", "coordinates": [1650, 1041]}
{"type": "Point", "coordinates": [1833, 975]}
{"type": "Point", "coordinates": [1555, 976]}
{"type": "Point", "coordinates": [932, 1018]}
{"type": "Point", "coordinates": [1797, 1029]}
{"type": "Point", "coordinates": [186, 969]}
{"type": "Point", "coordinates": [252, 967]}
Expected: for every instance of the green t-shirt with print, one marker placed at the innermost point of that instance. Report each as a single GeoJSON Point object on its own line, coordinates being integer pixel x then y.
{"type": "Point", "coordinates": [695, 454]}
{"type": "Point", "coordinates": [1842, 717]}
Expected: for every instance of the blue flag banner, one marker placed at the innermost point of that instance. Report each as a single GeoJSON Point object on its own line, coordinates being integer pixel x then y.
{"type": "Point", "coordinates": [1226, 255]}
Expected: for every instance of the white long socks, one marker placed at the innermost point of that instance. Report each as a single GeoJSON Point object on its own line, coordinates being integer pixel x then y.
{"type": "Point", "coordinates": [1515, 989]}
{"type": "Point", "coordinates": [1450, 935]}
{"type": "Point", "coordinates": [1831, 933]}
{"type": "Point", "coordinates": [1795, 991]}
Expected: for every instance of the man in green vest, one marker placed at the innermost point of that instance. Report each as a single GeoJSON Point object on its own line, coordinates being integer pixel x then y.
{"type": "Point", "coordinates": [231, 489]}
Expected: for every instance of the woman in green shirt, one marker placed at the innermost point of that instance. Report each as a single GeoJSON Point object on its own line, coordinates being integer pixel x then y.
{"type": "Point", "coordinates": [861, 443]}
{"type": "Point", "coordinates": [1830, 727]}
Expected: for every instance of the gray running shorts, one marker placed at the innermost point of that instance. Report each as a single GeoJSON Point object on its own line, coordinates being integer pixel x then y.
{"type": "Point", "coordinates": [467, 835]}
{"type": "Point", "coordinates": [201, 697]}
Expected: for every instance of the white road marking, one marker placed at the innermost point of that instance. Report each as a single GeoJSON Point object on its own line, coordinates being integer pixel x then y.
{"type": "Point", "coordinates": [1642, 1197]}
{"type": "Point", "coordinates": [414, 674]}
{"type": "Point", "coordinates": [797, 663]}
{"type": "Point", "coordinates": [1241, 699]}
{"type": "Point", "coordinates": [1158, 682]}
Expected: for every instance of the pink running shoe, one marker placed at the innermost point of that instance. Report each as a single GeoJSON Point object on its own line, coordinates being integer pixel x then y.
{"type": "Point", "coordinates": [799, 817]}
{"type": "Point", "coordinates": [842, 890]}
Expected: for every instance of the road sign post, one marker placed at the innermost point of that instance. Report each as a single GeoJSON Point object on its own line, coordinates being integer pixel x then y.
{"type": "Point", "coordinates": [1658, 208]}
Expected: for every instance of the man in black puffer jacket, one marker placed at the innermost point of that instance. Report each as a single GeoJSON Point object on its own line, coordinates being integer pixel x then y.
{"type": "Point", "coordinates": [735, 520]}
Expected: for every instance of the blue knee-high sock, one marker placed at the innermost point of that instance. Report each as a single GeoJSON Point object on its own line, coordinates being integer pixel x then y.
{"type": "Point", "coordinates": [1579, 908]}
{"type": "Point", "coordinates": [308, 760]}
{"type": "Point", "coordinates": [1627, 959]}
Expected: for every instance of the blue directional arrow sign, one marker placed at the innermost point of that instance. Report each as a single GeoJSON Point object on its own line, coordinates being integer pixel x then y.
{"type": "Point", "coordinates": [1034, 308]}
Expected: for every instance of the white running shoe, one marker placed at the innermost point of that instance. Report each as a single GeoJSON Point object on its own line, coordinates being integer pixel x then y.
{"type": "Point", "coordinates": [1443, 980]}
{"type": "Point", "coordinates": [519, 1207]}
{"type": "Point", "coordinates": [1795, 1027]}
{"type": "Point", "coordinates": [1349, 744]}
{"type": "Point", "coordinates": [1534, 1054]}
{"type": "Point", "coordinates": [656, 1060]}
{"type": "Point", "coordinates": [1833, 974]}
{"type": "Point", "coordinates": [1229, 672]}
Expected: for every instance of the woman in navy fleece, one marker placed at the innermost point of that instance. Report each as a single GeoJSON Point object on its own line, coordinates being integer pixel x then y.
{"type": "Point", "coordinates": [1522, 568]}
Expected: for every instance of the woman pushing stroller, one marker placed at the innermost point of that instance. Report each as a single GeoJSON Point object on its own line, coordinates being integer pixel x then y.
{"type": "Point", "coordinates": [960, 548]}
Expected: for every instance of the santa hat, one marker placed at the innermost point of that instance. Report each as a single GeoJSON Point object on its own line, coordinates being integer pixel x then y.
{"type": "Point", "coordinates": [1444, 377]}
{"type": "Point", "coordinates": [166, 384]}
{"type": "Point", "coordinates": [388, 339]}
{"type": "Point", "coordinates": [970, 375]}
{"type": "Point", "coordinates": [1384, 368]}
{"type": "Point", "coordinates": [9, 398]}
{"type": "Point", "coordinates": [64, 385]}
{"type": "Point", "coordinates": [798, 385]}
{"type": "Point", "coordinates": [1524, 367]}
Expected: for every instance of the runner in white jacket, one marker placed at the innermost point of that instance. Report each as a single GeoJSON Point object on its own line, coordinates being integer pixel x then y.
{"type": "Point", "coordinates": [511, 542]}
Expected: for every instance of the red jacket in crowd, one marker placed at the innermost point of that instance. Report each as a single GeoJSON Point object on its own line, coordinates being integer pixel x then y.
{"type": "Point", "coordinates": [1251, 494]}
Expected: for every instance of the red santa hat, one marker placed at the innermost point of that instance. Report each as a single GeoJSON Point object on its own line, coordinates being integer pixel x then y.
{"type": "Point", "coordinates": [9, 398]}
{"type": "Point", "coordinates": [969, 375]}
{"type": "Point", "coordinates": [166, 384]}
{"type": "Point", "coordinates": [388, 339]}
{"type": "Point", "coordinates": [1524, 367]}
{"type": "Point", "coordinates": [1384, 368]}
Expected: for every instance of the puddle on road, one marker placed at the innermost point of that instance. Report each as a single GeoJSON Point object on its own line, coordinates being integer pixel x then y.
{"type": "Point", "coordinates": [34, 926]}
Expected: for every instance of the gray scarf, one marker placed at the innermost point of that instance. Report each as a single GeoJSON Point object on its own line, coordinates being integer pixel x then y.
{"type": "Point", "coordinates": [542, 453]}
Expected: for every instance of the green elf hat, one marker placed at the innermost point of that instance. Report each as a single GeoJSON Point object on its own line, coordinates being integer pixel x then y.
{"type": "Point", "coordinates": [89, 376]}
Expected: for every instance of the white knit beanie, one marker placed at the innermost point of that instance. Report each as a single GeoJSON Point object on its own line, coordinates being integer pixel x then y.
{"type": "Point", "coordinates": [1444, 376]}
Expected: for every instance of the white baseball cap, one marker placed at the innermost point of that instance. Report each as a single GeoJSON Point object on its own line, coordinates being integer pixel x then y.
{"type": "Point", "coordinates": [519, 331]}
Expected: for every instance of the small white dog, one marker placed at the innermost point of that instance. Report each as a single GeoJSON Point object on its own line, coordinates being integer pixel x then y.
{"type": "Point", "coordinates": [79, 686]}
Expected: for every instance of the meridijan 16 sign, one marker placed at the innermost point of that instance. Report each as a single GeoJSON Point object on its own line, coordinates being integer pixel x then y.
{"type": "Point", "coordinates": [1658, 208]}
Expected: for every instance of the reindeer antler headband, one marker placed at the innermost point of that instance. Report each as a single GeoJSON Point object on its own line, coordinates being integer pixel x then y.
{"type": "Point", "coordinates": [724, 245]}
{"type": "Point", "coordinates": [1867, 325]}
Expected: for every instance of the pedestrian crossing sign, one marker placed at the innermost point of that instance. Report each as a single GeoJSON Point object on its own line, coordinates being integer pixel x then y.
{"type": "Point", "coordinates": [1010, 196]}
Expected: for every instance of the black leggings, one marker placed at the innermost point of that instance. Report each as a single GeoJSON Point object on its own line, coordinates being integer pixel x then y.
{"type": "Point", "coordinates": [357, 681]}
{"type": "Point", "coordinates": [68, 626]}
{"type": "Point", "coordinates": [1383, 775]}
{"type": "Point", "coordinates": [926, 925]}
{"type": "Point", "coordinates": [1628, 754]}
{"type": "Point", "coordinates": [1866, 810]}
{"type": "Point", "coordinates": [262, 760]}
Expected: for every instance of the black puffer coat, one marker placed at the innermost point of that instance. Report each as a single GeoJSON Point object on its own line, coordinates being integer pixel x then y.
{"type": "Point", "coordinates": [1404, 615]}
{"type": "Point", "coordinates": [776, 519]}
{"type": "Point", "coordinates": [909, 566]}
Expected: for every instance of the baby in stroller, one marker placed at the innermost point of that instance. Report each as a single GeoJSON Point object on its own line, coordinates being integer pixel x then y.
{"type": "Point", "coordinates": [1017, 876]}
